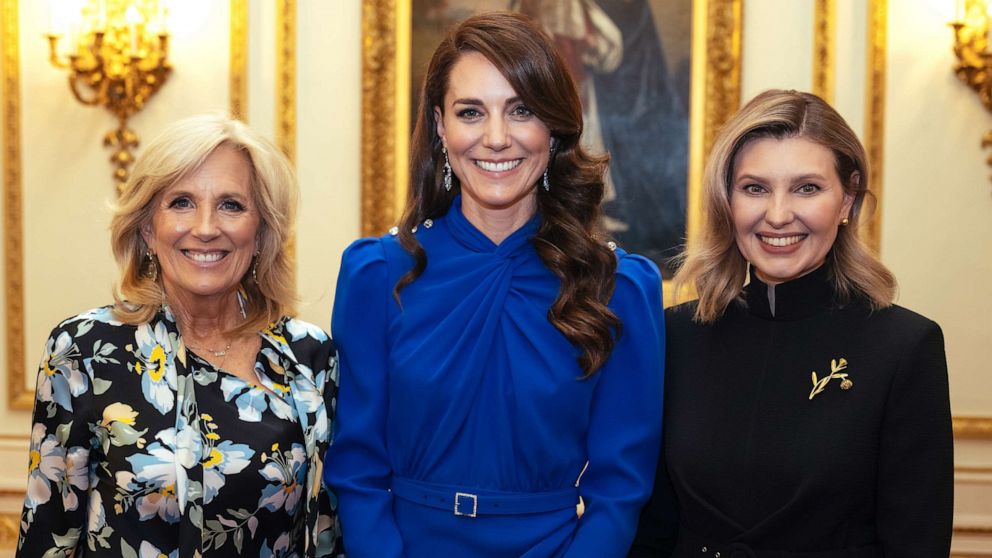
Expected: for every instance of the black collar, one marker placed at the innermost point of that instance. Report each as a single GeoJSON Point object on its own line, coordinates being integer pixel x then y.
{"type": "Point", "coordinates": [800, 298]}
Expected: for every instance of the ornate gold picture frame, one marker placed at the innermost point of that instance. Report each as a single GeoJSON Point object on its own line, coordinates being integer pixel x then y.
{"type": "Point", "coordinates": [714, 97]}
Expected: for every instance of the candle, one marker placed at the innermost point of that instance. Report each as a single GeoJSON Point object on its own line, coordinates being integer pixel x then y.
{"type": "Point", "coordinates": [133, 18]}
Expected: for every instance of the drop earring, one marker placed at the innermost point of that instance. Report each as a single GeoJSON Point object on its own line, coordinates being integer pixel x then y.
{"type": "Point", "coordinates": [151, 268]}
{"type": "Point", "coordinates": [551, 154]}
{"type": "Point", "coordinates": [447, 170]}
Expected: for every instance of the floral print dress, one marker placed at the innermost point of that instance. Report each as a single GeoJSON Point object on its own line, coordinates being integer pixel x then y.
{"type": "Point", "coordinates": [140, 448]}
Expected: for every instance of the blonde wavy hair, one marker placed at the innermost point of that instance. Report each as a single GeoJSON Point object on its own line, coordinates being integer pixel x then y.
{"type": "Point", "coordinates": [715, 267]}
{"type": "Point", "coordinates": [176, 153]}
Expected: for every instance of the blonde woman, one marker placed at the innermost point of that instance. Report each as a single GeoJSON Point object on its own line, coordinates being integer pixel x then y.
{"type": "Point", "coordinates": [190, 417]}
{"type": "Point", "coordinates": [806, 415]}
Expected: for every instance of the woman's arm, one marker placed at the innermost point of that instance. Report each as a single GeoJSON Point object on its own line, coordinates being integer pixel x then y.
{"type": "Point", "coordinates": [357, 466]}
{"type": "Point", "coordinates": [55, 506]}
{"type": "Point", "coordinates": [625, 423]}
{"type": "Point", "coordinates": [916, 454]}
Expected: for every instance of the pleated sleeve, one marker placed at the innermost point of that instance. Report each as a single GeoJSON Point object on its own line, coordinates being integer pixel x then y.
{"type": "Point", "coordinates": [625, 425]}
{"type": "Point", "coordinates": [357, 466]}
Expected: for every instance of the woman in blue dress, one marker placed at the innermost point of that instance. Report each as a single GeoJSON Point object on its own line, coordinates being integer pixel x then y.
{"type": "Point", "coordinates": [500, 361]}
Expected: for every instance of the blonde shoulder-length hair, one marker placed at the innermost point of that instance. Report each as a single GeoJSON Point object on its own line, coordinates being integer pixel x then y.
{"type": "Point", "coordinates": [715, 266]}
{"type": "Point", "coordinates": [179, 151]}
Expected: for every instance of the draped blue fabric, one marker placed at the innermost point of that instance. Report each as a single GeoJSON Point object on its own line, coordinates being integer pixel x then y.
{"type": "Point", "coordinates": [467, 383]}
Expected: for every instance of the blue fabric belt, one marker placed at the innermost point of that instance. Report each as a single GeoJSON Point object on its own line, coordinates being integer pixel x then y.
{"type": "Point", "coordinates": [470, 502]}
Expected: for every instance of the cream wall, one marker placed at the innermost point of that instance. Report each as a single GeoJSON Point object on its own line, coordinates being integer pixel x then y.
{"type": "Point", "coordinates": [936, 205]}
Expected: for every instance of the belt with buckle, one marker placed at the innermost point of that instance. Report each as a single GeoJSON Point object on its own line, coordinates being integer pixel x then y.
{"type": "Point", "coordinates": [472, 502]}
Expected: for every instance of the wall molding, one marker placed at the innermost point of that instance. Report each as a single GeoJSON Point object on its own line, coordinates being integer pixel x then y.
{"type": "Point", "coordinates": [239, 60]}
{"type": "Point", "coordinates": [972, 427]}
{"type": "Point", "coordinates": [824, 58]}
{"type": "Point", "coordinates": [286, 81]}
{"type": "Point", "coordinates": [875, 114]}
{"type": "Point", "coordinates": [18, 396]}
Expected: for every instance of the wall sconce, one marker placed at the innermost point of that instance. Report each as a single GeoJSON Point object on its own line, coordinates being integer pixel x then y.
{"type": "Point", "coordinates": [116, 52]}
{"type": "Point", "coordinates": [971, 46]}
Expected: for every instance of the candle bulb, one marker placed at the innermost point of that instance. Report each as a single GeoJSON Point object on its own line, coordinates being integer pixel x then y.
{"type": "Point", "coordinates": [133, 18]}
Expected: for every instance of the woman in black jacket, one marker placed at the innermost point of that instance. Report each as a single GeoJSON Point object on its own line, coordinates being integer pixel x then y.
{"type": "Point", "coordinates": [806, 416]}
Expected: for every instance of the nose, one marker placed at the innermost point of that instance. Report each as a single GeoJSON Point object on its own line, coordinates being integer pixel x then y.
{"type": "Point", "coordinates": [496, 136]}
{"type": "Point", "coordinates": [205, 226]}
{"type": "Point", "coordinates": [779, 212]}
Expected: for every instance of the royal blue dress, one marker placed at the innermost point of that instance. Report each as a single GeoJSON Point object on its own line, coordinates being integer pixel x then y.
{"type": "Point", "coordinates": [465, 400]}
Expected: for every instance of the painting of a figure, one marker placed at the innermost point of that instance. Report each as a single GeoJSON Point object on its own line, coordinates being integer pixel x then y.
{"type": "Point", "coordinates": [631, 62]}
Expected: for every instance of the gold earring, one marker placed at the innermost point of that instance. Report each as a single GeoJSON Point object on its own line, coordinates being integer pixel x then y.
{"type": "Point", "coordinates": [844, 222]}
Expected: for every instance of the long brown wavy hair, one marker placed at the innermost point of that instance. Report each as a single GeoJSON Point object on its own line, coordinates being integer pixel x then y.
{"type": "Point", "coordinates": [716, 267]}
{"type": "Point", "coordinates": [569, 240]}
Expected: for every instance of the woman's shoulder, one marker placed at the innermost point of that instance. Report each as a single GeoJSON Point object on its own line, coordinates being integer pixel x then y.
{"type": "Point", "coordinates": [901, 325]}
{"type": "Point", "coordinates": [637, 269]}
{"type": "Point", "coordinates": [372, 251]}
{"type": "Point", "coordinates": [298, 330]}
{"type": "Point", "coordinates": [96, 321]}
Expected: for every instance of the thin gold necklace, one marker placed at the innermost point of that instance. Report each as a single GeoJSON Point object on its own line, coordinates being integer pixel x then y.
{"type": "Point", "coordinates": [217, 354]}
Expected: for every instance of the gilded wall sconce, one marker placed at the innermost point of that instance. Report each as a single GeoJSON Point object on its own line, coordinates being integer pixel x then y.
{"type": "Point", "coordinates": [971, 46]}
{"type": "Point", "coordinates": [116, 52]}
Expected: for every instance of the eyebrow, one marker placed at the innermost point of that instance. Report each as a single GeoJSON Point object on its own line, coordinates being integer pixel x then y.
{"type": "Point", "coordinates": [478, 102]}
{"type": "Point", "coordinates": [808, 176]}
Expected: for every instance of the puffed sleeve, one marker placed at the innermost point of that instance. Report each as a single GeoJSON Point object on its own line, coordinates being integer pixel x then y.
{"type": "Point", "coordinates": [55, 506]}
{"type": "Point", "coordinates": [357, 466]}
{"type": "Point", "coordinates": [625, 424]}
{"type": "Point", "coordinates": [916, 461]}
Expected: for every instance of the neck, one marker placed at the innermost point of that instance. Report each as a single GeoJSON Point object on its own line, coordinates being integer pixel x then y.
{"type": "Point", "coordinates": [205, 318]}
{"type": "Point", "coordinates": [499, 223]}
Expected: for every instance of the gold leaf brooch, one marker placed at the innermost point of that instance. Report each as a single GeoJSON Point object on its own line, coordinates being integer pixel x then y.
{"type": "Point", "coordinates": [836, 366]}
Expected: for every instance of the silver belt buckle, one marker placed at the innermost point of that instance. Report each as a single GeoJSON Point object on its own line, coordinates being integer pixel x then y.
{"type": "Point", "coordinates": [461, 497]}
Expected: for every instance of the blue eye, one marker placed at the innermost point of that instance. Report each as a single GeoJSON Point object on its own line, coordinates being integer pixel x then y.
{"type": "Point", "coordinates": [182, 202]}
{"type": "Point", "coordinates": [232, 205]}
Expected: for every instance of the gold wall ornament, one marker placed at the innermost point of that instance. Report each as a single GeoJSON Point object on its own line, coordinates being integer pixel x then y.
{"type": "Point", "coordinates": [971, 47]}
{"type": "Point", "coordinates": [116, 52]}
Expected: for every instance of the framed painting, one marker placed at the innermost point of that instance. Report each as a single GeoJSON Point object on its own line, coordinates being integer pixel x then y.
{"type": "Point", "coordinates": [660, 78]}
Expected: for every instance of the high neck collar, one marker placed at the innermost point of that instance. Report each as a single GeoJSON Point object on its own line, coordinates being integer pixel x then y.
{"type": "Point", "coordinates": [472, 238]}
{"type": "Point", "coordinates": [810, 294]}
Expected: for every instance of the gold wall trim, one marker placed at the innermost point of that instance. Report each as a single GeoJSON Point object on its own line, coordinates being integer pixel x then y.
{"type": "Point", "coordinates": [379, 93]}
{"type": "Point", "coordinates": [824, 58]}
{"type": "Point", "coordinates": [239, 60]}
{"type": "Point", "coordinates": [875, 114]}
{"type": "Point", "coordinates": [18, 397]}
{"type": "Point", "coordinates": [716, 92]}
{"type": "Point", "coordinates": [716, 95]}
{"type": "Point", "coordinates": [286, 82]}
{"type": "Point", "coordinates": [9, 522]}
{"type": "Point", "coordinates": [972, 427]}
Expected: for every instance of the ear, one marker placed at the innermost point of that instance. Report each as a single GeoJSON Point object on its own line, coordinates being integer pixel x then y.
{"type": "Point", "coordinates": [439, 124]}
{"type": "Point", "coordinates": [148, 236]}
{"type": "Point", "coordinates": [845, 211]}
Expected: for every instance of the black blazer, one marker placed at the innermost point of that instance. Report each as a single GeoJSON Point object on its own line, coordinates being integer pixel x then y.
{"type": "Point", "coordinates": [767, 460]}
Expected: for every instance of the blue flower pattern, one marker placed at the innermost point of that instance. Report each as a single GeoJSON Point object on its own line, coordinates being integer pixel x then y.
{"type": "Point", "coordinates": [140, 448]}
